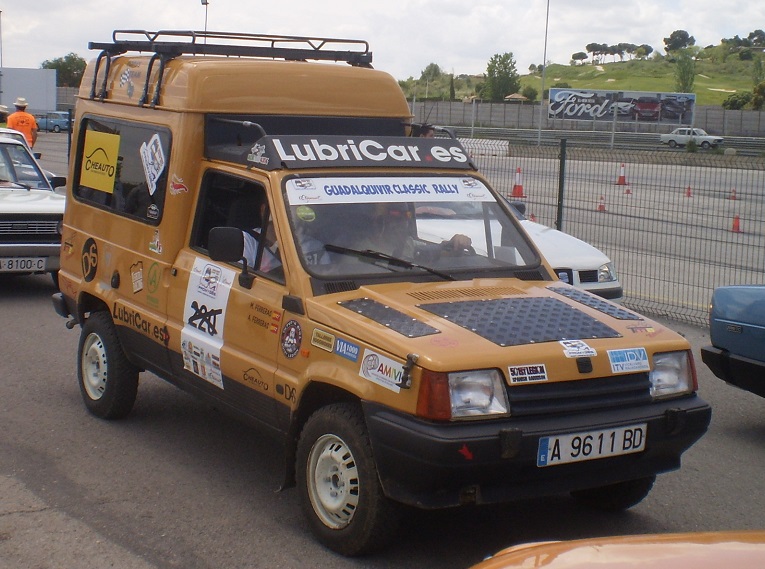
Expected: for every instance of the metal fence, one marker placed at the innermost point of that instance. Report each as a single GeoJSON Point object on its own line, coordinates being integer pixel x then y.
{"type": "Point", "coordinates": [677, 224]}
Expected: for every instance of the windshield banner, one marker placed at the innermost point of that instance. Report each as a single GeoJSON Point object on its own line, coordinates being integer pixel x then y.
{"type": "Point", "coordinates": [272, 152]}
{"type": "Point", "coordinates": [310, 191]}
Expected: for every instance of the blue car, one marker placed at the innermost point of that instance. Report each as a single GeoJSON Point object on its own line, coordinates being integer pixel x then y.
{"type": "Point", "coordinates": [737, 332]}
{"type": "Point", "coordinates": [53, 122]}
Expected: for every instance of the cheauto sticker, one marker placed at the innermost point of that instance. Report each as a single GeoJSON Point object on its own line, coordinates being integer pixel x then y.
{"type": "Point", "coordinates": [629, 360]}
{"type": "Point", "coordinates": [381, 370]}
{"type": "Point", "coordinates": [527, 373]}
{"type": "Point", "coordinates": [577, 349]}
{"type": "Point", "coordinates": [204, 315]}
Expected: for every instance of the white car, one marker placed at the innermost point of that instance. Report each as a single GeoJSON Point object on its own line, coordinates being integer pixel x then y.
{"type": "Point", "coordinates": [31, 213]}
{"type": "Point", "coordinates": [574, 261]}
{"type": "Point", "coordinates": [682, 136]}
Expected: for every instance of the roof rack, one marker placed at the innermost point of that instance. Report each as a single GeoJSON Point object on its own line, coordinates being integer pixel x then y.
{"type": "Point", "coordinates": [169, 44]}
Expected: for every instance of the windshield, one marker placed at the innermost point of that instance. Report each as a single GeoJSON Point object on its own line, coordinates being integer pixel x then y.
{"type": "Point", "coordinates": [355, 226]}
{"type": "Point", "coordinates": [18, 169]}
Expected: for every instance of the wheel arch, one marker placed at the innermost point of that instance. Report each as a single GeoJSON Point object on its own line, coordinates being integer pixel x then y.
{"type": "Point", "coordinates": [316, 395]}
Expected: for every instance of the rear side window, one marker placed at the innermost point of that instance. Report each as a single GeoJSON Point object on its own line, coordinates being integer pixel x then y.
{"type": "Point", "coordinates": [122, 167]}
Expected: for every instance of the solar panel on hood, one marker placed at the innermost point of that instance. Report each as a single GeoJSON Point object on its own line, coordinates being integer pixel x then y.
{"type": "Point", "coordinates": [389, 317]}
{"type": "Point", "coordinates": [518, 321]}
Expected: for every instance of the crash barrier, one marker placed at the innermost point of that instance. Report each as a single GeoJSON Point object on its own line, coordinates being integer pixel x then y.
{"type": "Point", "coordinates": [676, 224]}
{"type": "Point", "coordinates": [486, 146]}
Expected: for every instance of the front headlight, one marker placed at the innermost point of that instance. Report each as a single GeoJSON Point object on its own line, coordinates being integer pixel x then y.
{"type": "Point", "coordinates": [606, 273]}
{"type": "Point", "coordinates": [475, 393]}
{"type": "Point", "coordinates": [672, 374]}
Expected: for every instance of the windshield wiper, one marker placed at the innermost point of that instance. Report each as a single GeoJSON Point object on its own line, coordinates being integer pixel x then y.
{"type": "Point", "coordinates": [378, 256]}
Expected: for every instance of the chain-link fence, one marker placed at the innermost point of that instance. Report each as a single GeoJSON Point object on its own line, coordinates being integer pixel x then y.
{"type": "Point", "coordinates": [677, 224]}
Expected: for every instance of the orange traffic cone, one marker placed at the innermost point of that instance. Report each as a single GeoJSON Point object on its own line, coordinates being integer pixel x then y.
{"type": "Point", "coordinates": [736, 225]}
{"type": "Point", "coordinates": [732, 195]}
{"type": "Point", "coordinates": [601, 204]}
{"type": "Point", "coordinates": [518, 187]}
{"type": "Point", "coordinates": [622, 181]}
{"type": "Point", "coordinates": [688, 192]}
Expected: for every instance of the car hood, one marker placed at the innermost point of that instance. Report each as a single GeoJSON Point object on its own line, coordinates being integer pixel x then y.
{"type": "Point", "coordinates": [704, 550]}
{"type": "Point", "coordinates": [563, 250]}
{"type": "Point", "coordinates": [485, 323]}
{"type": "Point", "coordinates": [20, 200]}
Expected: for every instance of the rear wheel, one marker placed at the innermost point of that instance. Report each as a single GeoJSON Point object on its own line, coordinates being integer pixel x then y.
{"type": "Point", "coordinates": [108, 381]}
{"type": "Point", "coordinates": [340, 492]}
{"type": "Point", "coordinates": [616, 497]}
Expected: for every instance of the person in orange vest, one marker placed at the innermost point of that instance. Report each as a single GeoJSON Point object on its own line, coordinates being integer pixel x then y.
{"type": "Point", "coordinates": [22, 121]}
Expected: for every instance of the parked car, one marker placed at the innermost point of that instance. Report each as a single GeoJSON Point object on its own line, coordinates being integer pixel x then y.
{"type": "Point", "coordinates": [702, 550]}
{"type": "Point", "coordinates": [575, 262]}
{"type": "Point", "coordinates": [647, 108]}
{"type": "Point", "coordinates": [682, 136]}
{"type": "Point", "coordinates": [623, 106]}
{"type": "Point", "coordinates": [672, 109]}
{"type": "Point", "coordinates": [18, 136]}
{"type": "Point", "coordinates": [31, 213]}
{"type": "Point", "coordinates": [55, 121]}
{"type": "Point", "coordinates": [737, 333]}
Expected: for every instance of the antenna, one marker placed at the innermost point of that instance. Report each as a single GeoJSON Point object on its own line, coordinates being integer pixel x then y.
{"type": "Point", "coordinates": [205, 3]}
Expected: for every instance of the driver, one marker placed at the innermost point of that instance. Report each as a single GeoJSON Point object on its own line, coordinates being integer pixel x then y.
{"type": "Point", "coordinates": [391, 233]}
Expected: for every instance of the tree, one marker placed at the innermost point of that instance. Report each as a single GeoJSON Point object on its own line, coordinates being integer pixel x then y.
{"type": "Point", "coordinates": [758, 73]}
{"type": "Point", "coordinates": [677, 40]}
{"type": "Point", "coordinates": [501, 77]}
{"type": "Point", "coordinates": [452, 92]}
{"type": "Point", "coordinates": [579, 56]}
{"type": "Point", "coordinates": [685, 72]}
{"type": "Point", "coordinates": [530, 93]}
{"type": "Point", "coordinates": [758, 100]}
{"type": "Point", "coordinates": [643, 51]}
{"type": "Point", "coordinates": [757, 38]}
{"type": "Point", "coordinates": [69, 69]}
{"type": "Point", "coordinates": [737, 101]}
{"type": "Point", "coordinates": [431, 73]}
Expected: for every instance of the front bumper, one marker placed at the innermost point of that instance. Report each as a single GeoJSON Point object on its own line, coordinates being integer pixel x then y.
{"type": "Point", "coordinates": [432, 465]}
{"type": "Point", "coordinates": [745, 373]}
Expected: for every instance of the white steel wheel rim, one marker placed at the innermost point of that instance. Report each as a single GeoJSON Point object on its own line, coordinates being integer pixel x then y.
{"type": "Point", "coordinates": [333, 481]}
{"type": "Point", "coordinates": [94, 367]}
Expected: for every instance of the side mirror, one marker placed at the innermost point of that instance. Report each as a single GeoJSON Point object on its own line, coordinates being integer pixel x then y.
{"type": "Point", "coordinates": [57, 181]}
{"type": "Point", "coordinates": [226, 244]}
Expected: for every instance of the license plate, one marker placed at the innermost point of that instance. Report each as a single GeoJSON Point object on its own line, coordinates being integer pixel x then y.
{"type": "Point", "coordinates": [22, 264]}
{"type": "Point", "coordinates": [591, 445]}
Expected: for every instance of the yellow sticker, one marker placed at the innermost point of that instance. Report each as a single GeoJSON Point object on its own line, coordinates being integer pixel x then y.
{"type": "Point", "coordinates": [99, 160]}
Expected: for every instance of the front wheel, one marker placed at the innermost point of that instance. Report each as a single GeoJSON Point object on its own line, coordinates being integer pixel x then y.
{"type": "Point", "coordinates": [705, 145]}
{"type": "Point", "coordinates": [56, 128]}
{"type": "Point", "coordinates": [616, 497]}
{"type": "Point", "coordinates": [108, 381]}
{"type": "Point", "coordinates": [672, 143]}
{"type": "Point", "coordinates": [340, 492]}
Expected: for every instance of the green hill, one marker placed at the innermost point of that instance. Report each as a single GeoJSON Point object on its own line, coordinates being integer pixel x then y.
{"type": "Point", "coordinates": [714, 81]}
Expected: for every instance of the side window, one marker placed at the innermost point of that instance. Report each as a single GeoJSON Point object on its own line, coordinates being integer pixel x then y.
{"type": "Point", "coordinates": [123, 167]}
{"type": "Point", "coordinates": [229, 201]}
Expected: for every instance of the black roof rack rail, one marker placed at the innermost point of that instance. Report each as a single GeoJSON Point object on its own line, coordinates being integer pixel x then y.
{"type": "Point", "coordinates": [168, 44]}
{"type": "Point", "coordinates": [186, 42]}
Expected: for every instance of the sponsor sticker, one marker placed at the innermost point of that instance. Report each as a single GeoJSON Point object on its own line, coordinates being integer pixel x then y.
{"type": "Point", "coordinates": [348, 350]}
{"type": "Point", "coordinates": [629, 360]}
{"type": "Point", "coordinates": [323, 340]}
{"type": "Point", "coordinates": [136, 274]}
{"type": "Point", "coordinates": [527, 373]}
{"type": "Point", "coordinates": [382, 370]}
{"type": "Point", "coordinates": [577, 349]}
{"type": "Point", "coordinates": [292, 337]}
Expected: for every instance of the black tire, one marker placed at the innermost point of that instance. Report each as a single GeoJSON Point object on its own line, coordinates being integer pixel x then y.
{"type": "Point", "coordinates": [672, 143]}
{"type": "Point", "coordinates": [340, 491]}
{"type": "Point", "coordinates": [108, 381]}
{"type": "Point", "coordinates": [54, 278]}
{"type": "Point", "coordinates": [616, 497]}
{"type": "Point", "coordinates": [56, 128]}
{"type": "Point", "coordinates": [705, 145]}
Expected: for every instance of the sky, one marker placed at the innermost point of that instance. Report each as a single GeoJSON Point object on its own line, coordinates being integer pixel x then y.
{"type": "Point", "coordinates": [405, 36]}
